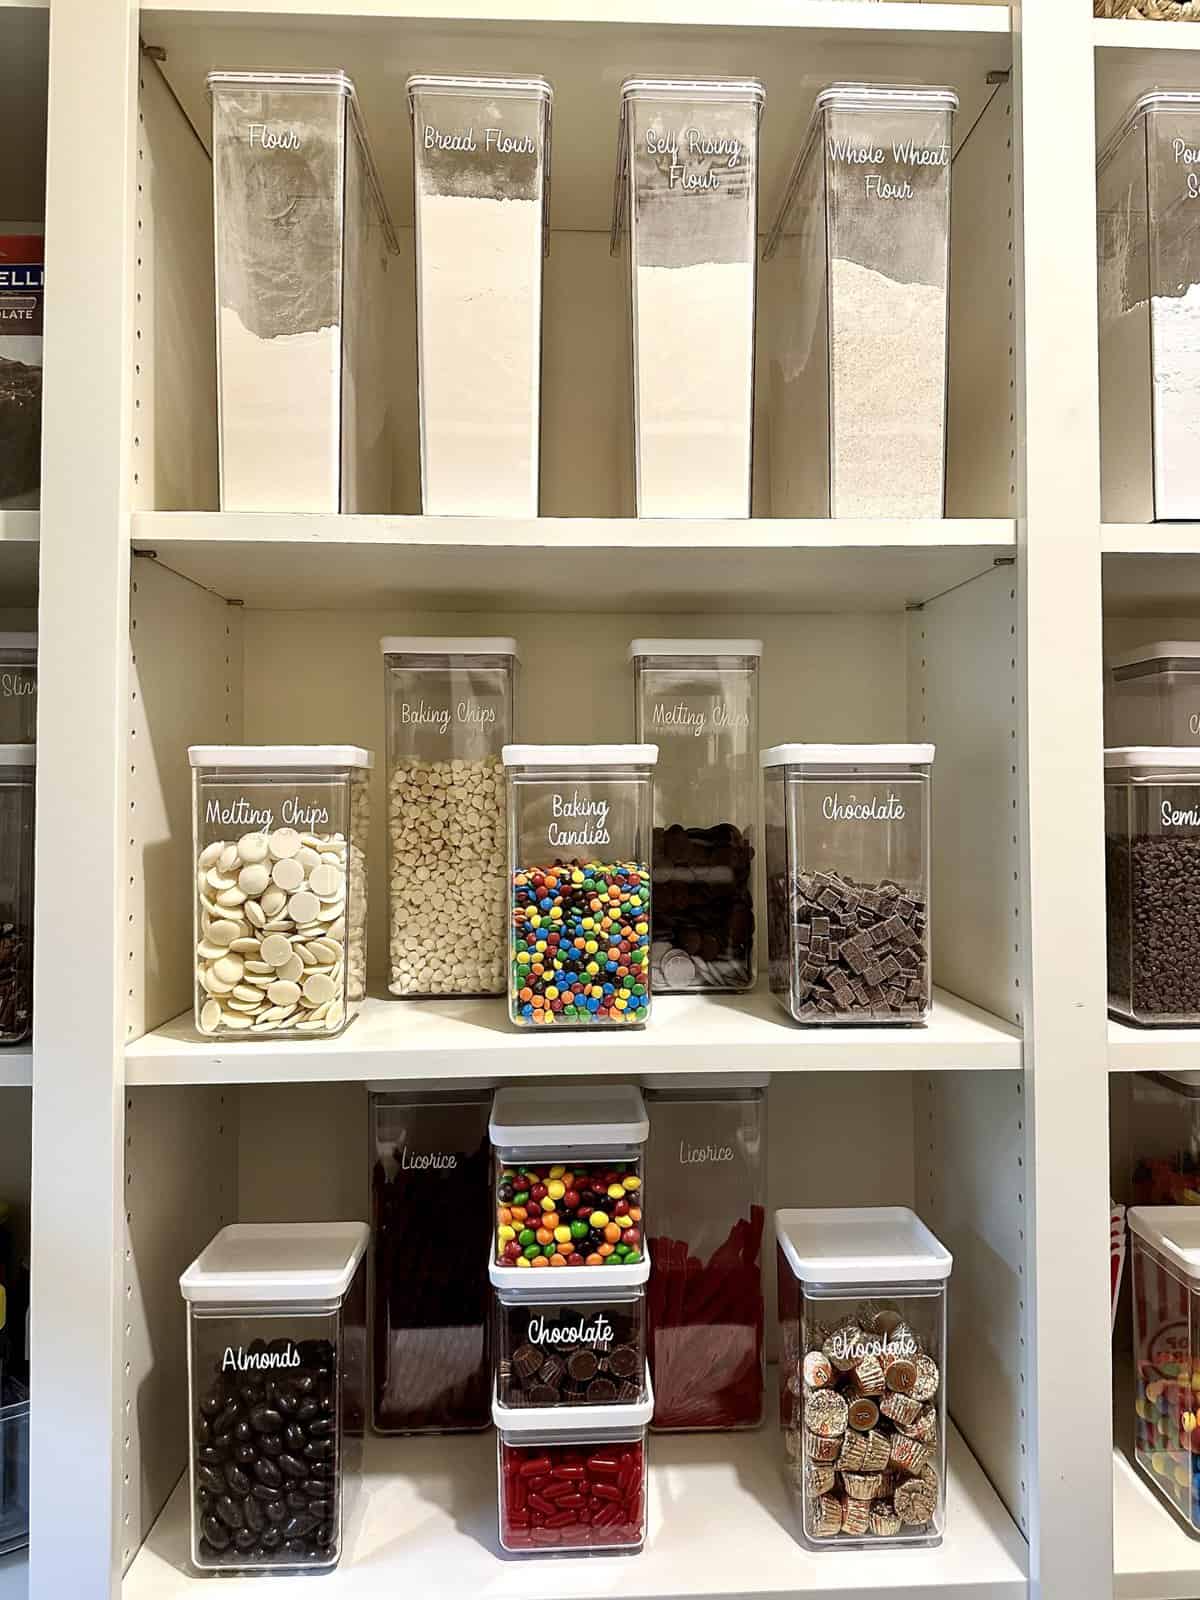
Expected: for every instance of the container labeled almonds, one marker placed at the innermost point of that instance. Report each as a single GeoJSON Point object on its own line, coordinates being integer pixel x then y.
{"type": "Point", "coordinates": [279, 834]}
{"type": "Point", "coordinates": [862, 1319]}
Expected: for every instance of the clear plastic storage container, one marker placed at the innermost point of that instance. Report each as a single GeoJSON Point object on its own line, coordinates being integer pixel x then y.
{"type": "Point", "coordinates": [686, 205]}
{"type": "Point", "coordinates": [22, 295]}
{"type": "Point", "coordinates": [587, 1349]}
{"type": "Point", "coordinates": [481, 149]}
{"type": "Point", "coordinates": [276, 1392]}
{"type": "Point", "coordinates": [1166, 1353]}
{"type": "Point", "coordinates": [450, 711]}
{"type": "Point", "coordinates": [280, 839]}
{"type": "Point", "coordinates": [862, 1375]}
{"type": "Point", "coordinates": [18, 688]}
{"type": "Point", "coordinates": [1165, 1139]}
{"type": "Point", "coordinates": [859, 296]}
{"type": "Point", "coordinates": [18, 775]}
{"type": "Point", "coordinates": [1152, 863]}
{"type": "Point", "coordinates": [705, 1166]}
{"type": "Point", "coordinates": [1154, 695]}
{"type": "Point", "coordinates": [1148, 181]}
{"type": "Point", "coordinates": [568, 1185]}
{"type": "Point", "coordinates": [572, 1484]}
{"type": "Point", "coordinates": [430, 1307]}
{"type": "Point", "coordinates": [847, 830]}
{"type": "Point", "coordinates": [14, 1465]}
{"type": "Point", "coordinates": [302, 244]}
{"type": "Point", "coordinates": [579, 833]}
{"type": "Point", "coordinates": [699, 699]}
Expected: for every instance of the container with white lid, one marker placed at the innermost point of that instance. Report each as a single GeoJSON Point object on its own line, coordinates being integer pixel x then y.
{"type": "Point", "coordinates": [586, 1463]}
{"type": "Point", "coordinates": [1148, 199]}
{"type": "Point", "coordinates": [280, 838]}
{"type": "Point", "coordinates": [862, 1382]}
{"type": "Point", "coordinates": [847, 856]}
{"type": "Point", "coordinates": [699, 699]}
{"type": "Point", "coordinates": [1165, 1243]}
{"type": "Point", "coordinates": [686, 206]}
{"type": "Point", "coordinates": [302, 245]}
{"type": "Point", "coordinates": [18, 687]}
{"type": "Point", "coordinates": [858, 288]}
{"type": "Point", "coordinates": [1154, 694]}
{"type": "Point", "coordinates": [580, 819]}
{"type": "Point", "coordinates": [1165, 1138]}
{"type": "Point", "coordinates": [1152, 868]}
{"type": "Point", "coordinates": [481, 154]}
{"type": "Point", "coordinates": [276, 1318]}
{"type": "Point", "coordinates": [451, 707]}
{"type": "Point", "coordinates": [18, 776]}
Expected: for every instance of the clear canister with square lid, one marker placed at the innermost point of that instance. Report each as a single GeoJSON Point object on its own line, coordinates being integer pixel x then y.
{"type": "Point", "coordinates": [580, 820]}
{"type": "Point", "coordinates": [280, 903]}
{"type": "Point", "coordinates": [862, 1375]}
{"type": "Point", "coordinates": [450, 711]}
{"type": "Point", "coordinates": [1154, 694]}
{"type": "Point", "coordinates": [586, 1347]}
{"type": "Point", "coordinates": [18, 688]}
{"type": "Point", "coordinates": [1165, 1247]}
{"type": "Point", "coordinates": [18, 776]}
{"type": "Point", "coordinates": [1165, 1138]}
{"type": "Point", "coordinates": [847, 851]}
{"type": "Point", "coordinates": [699, 699]}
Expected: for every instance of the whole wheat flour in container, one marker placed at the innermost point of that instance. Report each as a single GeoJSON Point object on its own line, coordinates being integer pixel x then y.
{"type": "Point", "coordinates": [21, 287]}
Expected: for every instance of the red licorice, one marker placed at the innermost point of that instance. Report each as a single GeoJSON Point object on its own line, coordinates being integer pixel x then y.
{"type": "Point", "coordinates": [572, 1497]}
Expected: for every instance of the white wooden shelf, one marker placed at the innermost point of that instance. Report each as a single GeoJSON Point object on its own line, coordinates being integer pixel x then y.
{"type": "Point", "coordinates": [14, 1575]}
{"type": "Point", "coordinates": [1152, 1050]}
{"type": "Point", "coordinates": [1124, 33]}
{"type": "Point", "coordinates": [1154, 1558]}
{"type": "Point", "coordinates": [720, 1524]}
{"type": "Point", "coordinates": [16, 1068]}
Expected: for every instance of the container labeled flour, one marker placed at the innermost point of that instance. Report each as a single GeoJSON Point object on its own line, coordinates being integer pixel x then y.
{"type": "Point", "coordinates": [686, 205]}
{"type": "Point", "coordinates": [481, 152]}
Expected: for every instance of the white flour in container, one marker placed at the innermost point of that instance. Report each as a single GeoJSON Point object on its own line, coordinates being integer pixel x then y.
{"type": "Point", "coordinates": [479, 265]}
{"type": "Point", "coordinates": [1176, 325]}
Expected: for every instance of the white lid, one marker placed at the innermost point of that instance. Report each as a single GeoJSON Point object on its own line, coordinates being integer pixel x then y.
{"type": "Point", "coordinates": [534, 88]}
{"type": "Point", "coordinates": [664, 1082]}
{"type": "Point", "coordinates": [238, 756]}
{"type": "Point", "coordinates": [1156, 100]}
{"type": "Point", "coordinates": [868, 1244]}
{"type": "Point", "coordinates": [563, 1283]}
{"type": "Point", "coordinates": [579, 755]}
{"type": "Point", "coordinates": [18, 755]}
{"type": "Point", "coordinates": [1153, 756]}
{"type": "Point", "coordinates": [1160, 650]}
{"type": "Point", "coordinates": [885, 97]}
{"type": "Point", "coordinates": [554, 1118]}
{"type": "Point", "coordinates": [417, 644]}
{"type": "Point", "coordinates": [710, 88]}
{"type": "Point", "coordinates": [256, 1263]}
{"type": "Point", "coordinates": [18, 641]}
{"type": "Point", "coordinates": [694, 647]}
{"type": "Point", "coordinates": [1175, 1230]}
{"type": "Point", "coordinates": [571, 1421]}
{"type": "Point", "coordinates": [847, 755]}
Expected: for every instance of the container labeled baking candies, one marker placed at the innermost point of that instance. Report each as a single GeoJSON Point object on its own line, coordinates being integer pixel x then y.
{"type": "Point", "coordinates": [280, 836]}
{"type": "Point", "coordinates": [862, 1383]}
{"type": "Point", "coordinates": [580, 819]}
{"type": "Point", "coordinates": [1166, 1353]}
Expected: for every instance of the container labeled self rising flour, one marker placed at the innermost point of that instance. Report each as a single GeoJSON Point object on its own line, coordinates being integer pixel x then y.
{"type": "Point", "coordinates": [481, 153]}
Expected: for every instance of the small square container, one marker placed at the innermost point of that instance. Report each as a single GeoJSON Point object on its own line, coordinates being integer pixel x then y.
{"type": "Point", "coordinates": [481, 154]}
{"type": "Point", "coordinates": [587, 1349]}
{"type": "Point", "coordinates": [280, 839]}
{"type": "Point", "coordinates": [1154, 694]}
{"type": "Point", "coordinates": [1166, 1353]}
{"type": "Point", "coordinates": [847, 835]}
{"type": "Point", "coordinates": [862, 1376]}
{"type": "Point", "coordinates": [276, 1316]}
{"type": "Point", "coordinates": [686, 206]}
{"type": "Point", "coordinates": [859, 292]}
{"type": "Point", "coordinates": [706, 1168]}
{"type": "Point", "coordinates": [22, 296]}
{"type": "Point", "coordinates": [18, 779]}
{"type": "Point", "coordinates": [580, 821]}
{"type": "Point", "coordinates": [431, 1367]}
{"type": "Point", "coordinates": [572, 1483]}
{"type": "Point", "coordinates": [573, 1155]}
{"type": "Point", "coordinates": [302, 245]}
{"type": "Point", "coordinates": [18, 688]}
{"type": "Point", "coordinates": [1165, 1139]}
{"type": "Point", "coordinates": [1148, 193]}
{"type": "Point", "coordinates": [14, 1465]}
{"type": "Point", "coordinates": [699, 699]}
{"type": "Point", "coordinates": [450, 712]}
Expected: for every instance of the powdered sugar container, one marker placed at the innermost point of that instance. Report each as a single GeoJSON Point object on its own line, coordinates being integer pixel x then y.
{"type": "Point", "coordinates": [481, 152]}
{"type": "Point", "coordinates": [686, 204]}
{"type": "Point", "coordinates": [1148, 184]}
{"type": "Point", "coordinates": [302, 245]}
{"type": "Point", "coordinates": [862, 1376]}
{"type": "Point", "coordinates": [859, 308]}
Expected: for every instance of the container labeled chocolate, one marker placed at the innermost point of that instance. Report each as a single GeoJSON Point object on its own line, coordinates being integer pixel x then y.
{"type": "Point", "coordinates": [705, 1168]}
{"type": "Point", "coordinates": [586, 1350]}
{"type": "Point", "coordinates": [431, 1366]}
{"type": "Point", "coordinates": [847, 854]}
{"type": "Point", "coordinates": [1166, 1352]}
{"type": "Point", "coordinates": [568, 1185]}
{"type": "Point", "coordinates": [698, 699]}
{"type": "Point", "coordinates": [18, 778]}
{"type": "Point", "coordinates": [862, 1390]}
{"type": "Point", "coordinates": [276, 1317]}
{"type": "Point", "coordinates": [572, 1482]}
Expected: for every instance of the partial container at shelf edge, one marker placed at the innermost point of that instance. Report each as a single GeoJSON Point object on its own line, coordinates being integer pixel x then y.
{"type": "Point", "coordinates": [22, 288]}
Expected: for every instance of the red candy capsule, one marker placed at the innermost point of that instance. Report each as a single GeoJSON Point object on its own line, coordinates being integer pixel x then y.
{"type": "Point", "coordinates": [579, 1502]}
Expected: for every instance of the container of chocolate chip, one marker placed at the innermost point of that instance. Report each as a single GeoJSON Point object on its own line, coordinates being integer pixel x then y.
{"type": "Point", "coordinates": [862, 1375]}
{"type": "Point", "coordinates": [18, 772]}
{"type": "Point", "coordinates": [276, 1316]}
{"type": "Point", "coordinates": [698, 700]}
{"type": "Point", "coordinates": [587, 1349]}
{"type": "Point", "coordinates": [847, 858]}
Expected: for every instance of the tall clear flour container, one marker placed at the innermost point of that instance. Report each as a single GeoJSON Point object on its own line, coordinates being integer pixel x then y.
{"type": "Point", "coordinates": [1154, 695]}
{"type": "Point", "coordinates": [450, 712]}
{"type": "Point", "coordinates": [18, 774]}
{"type": "Point", "coordinates": [302, 245]}
{"type": "Point", "coordinates": [858, 292]}
{"type": "Point", "coordinates": [1165, 1244]}
{"type": "Point", "coordinates": [686, 205]}
{"type": "Point", "coordinates": [847, 846]}
{"type": "Point", "coordinates": [481, 150]}
{"type": "Point", "coordinates": [1148, 184]}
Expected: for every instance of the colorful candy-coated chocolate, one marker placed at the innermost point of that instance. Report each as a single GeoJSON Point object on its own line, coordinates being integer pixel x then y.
{"type": "Point", "coordinates": [580, 954]}
{"type": "Point", "coordinates": [572, 1498]}
{"type": "Point", "coordinates": [555, 1216]}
